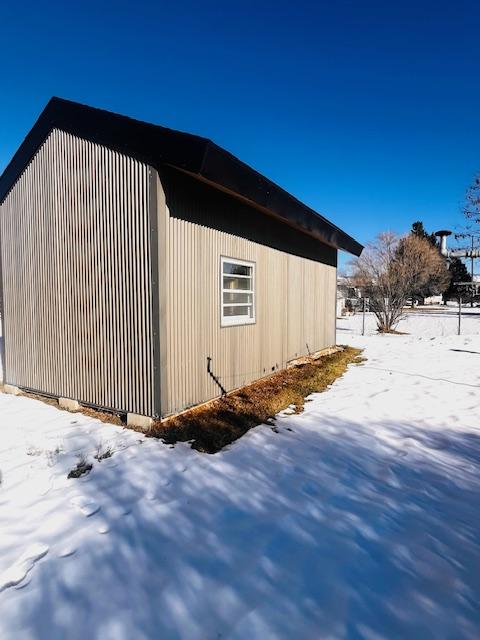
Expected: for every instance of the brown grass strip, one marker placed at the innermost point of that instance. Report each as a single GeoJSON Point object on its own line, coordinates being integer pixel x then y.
{"type": "Point", "coordinates": [393, 332]}
{"type": "Point", "coordinates": [212, 426]}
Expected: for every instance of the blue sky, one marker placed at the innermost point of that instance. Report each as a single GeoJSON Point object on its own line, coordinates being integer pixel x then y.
{"type": "Point", "coordinates": [367, 111]}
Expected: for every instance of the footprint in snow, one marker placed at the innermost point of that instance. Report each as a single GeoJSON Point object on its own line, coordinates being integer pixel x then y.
{"type": "Point", "coordinates": [153, 492]}
{"type": "Point", "coordinates": [85, 505]}
{"type": "Point", "coordinates": [23, 584]}
{"type": "Point", "coordinates": [103, 528]}
{"type": "Point", "coordinates": [43, 486]}
{"type": "Point", "coordinates": [18, 571]}
{"type": "Point", "coordinates": [67, 551]}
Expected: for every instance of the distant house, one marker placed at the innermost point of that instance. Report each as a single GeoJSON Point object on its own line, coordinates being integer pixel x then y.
{"type": "Point", "coordinates": [348, 296]}
{"type": "Point", "coordinates": [144, 270]}
{"type": "Point", "coordinates": [432, 300]}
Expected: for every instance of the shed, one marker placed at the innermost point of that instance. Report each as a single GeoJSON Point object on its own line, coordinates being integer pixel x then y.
{"type": "Point", "coordinates": [143, 270]}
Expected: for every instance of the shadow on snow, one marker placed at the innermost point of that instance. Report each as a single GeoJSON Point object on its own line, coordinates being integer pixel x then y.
{"type": "Point", "coordinates": [330, 530]}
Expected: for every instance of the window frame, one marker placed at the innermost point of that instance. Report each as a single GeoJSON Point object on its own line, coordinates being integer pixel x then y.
{"type": "Point", "coordinates": [237, 321]}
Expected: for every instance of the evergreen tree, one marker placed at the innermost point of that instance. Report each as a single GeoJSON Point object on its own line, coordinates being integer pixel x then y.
{"type": "Point", "coordinates": [419, 230]}
{"type": "Point", "coordinates": [459, 273]}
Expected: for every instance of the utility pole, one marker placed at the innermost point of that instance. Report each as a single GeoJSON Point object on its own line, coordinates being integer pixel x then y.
{"type": "Point", "coordinates": [472, 253]}
{"type": "Point", "coordinates": [363, 317]}
{"type": "Point", "coordinates": [471, 272]}
{"type": "Point", "coordinates": [471, 261]}
{"type": "Point", "coordinates": [460, 315]}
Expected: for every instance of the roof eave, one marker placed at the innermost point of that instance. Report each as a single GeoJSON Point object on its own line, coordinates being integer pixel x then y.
{"type": "Point", "coordinates": [156, 146]}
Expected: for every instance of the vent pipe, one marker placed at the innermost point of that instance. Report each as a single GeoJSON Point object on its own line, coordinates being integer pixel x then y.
{"type": "Point", "coordinates": [443, 235]}
{"type": "Point", "coordinates": [457, 253]}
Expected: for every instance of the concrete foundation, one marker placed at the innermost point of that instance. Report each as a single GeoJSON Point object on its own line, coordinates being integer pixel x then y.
{"type": "Point", "coordinates": [141, 422]}
{"type": "Point", "coordinates": [68, 404]}
{"type": "Point", "coordinates": [10, 388]}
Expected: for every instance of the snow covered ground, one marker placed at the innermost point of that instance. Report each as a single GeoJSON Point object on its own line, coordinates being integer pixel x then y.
{"type": "Point", "coordinates": [359, 519]}
{"type": "Point", "coordinates": [424, 322]}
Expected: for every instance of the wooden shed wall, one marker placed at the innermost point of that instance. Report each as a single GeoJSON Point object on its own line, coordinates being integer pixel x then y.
{"type": "Point", "coordinates": [295, 296]}
{"type": "Point", "coordinates": [76, 274]}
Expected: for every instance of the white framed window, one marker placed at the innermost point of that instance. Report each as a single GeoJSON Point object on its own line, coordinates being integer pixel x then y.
{"type": "Point", "coordinates": [237, 290]}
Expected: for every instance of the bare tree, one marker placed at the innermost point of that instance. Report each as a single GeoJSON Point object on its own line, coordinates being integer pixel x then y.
{"type": "Point", "coordinates": [391, 268]}
{"type": "Point", "coordinates": [471, 208]}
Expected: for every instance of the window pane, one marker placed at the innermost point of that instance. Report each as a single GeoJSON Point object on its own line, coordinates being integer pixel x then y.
{"type": "Point", "coordinates": [231, 282]}
{"type": "Point", "coordinates": [237, 311]}
{"type": "Point", "coordinates": [237, 269]}
{"type": "Point", "coordinates": [236, 297]}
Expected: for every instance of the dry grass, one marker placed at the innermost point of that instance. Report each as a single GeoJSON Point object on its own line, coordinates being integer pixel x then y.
{"type": "Point", "coordinates": [393, 332]}
{"type": "Point", "coordinates": [83, 467]}
{"type": "Point", "coordinates": [212, 426]}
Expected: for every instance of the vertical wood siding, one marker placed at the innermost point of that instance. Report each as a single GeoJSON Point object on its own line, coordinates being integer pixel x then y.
{"type": "Point", "coordinates": [295, 307]}
{"type": "Point", "coordinates": [75, 243]}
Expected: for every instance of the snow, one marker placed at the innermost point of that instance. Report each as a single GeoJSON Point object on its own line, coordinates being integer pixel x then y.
{"type": "Point", "coordinates": [426, 322]}
{"type": "Point", "coordinates": [358, 519]}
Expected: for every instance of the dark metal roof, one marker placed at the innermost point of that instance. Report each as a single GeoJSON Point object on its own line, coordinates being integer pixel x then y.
{"type": "Point", "coordinates": [159, 146]}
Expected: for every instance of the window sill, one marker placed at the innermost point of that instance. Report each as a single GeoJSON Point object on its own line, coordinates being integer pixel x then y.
{"type": "Point", "coordinates": [236, 322]}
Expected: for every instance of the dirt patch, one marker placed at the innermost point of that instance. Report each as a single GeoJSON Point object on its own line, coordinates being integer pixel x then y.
{"type": "Point", "coordinates": [212, 426]}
